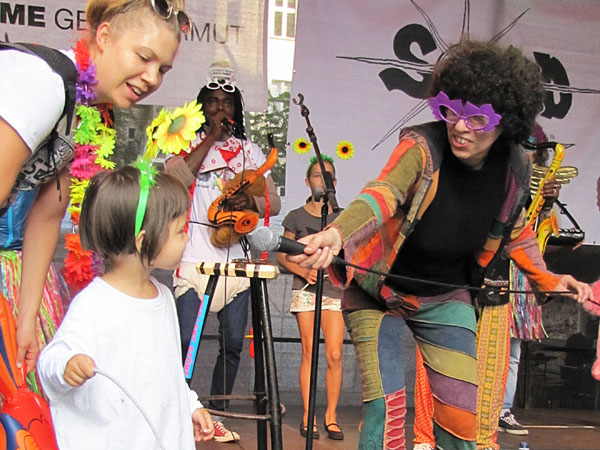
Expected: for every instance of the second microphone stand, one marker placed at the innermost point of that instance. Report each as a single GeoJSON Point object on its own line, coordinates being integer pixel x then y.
{"type": "Point", "coordinates": [328, 198]}
{"type": "Point", "coordinates": [314, 359]}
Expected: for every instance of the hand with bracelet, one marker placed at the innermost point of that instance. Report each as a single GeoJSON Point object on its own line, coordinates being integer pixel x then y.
{"type": "Point", "coordinates": [550, 192]}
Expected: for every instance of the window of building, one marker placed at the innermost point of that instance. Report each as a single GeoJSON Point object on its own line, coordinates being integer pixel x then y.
{"type": "Point", "coordinates": [284, 18]}
{"type": "Point", "coordinates": [277, 87]}
{"type": "Point", "coordinates": [290, 27]}
{"type": "Point", "coordinates": [277, 23]}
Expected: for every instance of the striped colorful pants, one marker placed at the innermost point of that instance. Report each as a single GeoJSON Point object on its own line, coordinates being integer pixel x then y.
{"type": "Point", "coordinates": [493, 352]}
{"type": "Point", "coordinates": [444, 330]}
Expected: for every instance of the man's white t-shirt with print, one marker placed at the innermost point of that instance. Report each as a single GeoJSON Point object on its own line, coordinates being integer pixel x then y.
{"type": "Point", "coordinates": [210, 180]}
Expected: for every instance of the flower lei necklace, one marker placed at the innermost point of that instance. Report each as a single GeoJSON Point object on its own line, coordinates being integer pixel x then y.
{"type": "Point", "coordinates": [94, 145]}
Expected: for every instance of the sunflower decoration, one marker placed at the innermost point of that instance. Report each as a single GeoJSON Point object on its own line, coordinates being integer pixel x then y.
{"type": "Point", "coordinates": [177, 129]}
{"type": "Point", "coordinates": [344, 150]}
{"type": "Point", "coordinates": [151, 144]}
{"type": "Point", "coordinates": [302, 146]}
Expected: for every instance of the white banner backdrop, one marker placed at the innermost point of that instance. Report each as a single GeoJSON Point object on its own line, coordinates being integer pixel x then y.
{"type": "Point", "coordinates": [229, 30]}
{"type": "Point", "coordinates": [348, 51]}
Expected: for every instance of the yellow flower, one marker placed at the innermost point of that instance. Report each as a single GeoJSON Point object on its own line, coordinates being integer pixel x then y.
{"type": "Point", "coordinates": [151, 144]}
{"type": "Point", "coordinates": [151, 149]}
{"type": "Point", "coordinates": [302, 146]}
{"type": "Point", "coordinates": [106, 144]}
{"type": "Point", "coordinates": [178, 129]}
{"type": "Point", "coordinates": [105, 163]}
{"type": "Point", "coordinates": [74, 209]}
{"type": "Point", "coordinates": [345, 150]}
{"type": "Point", "coordinates": [78, 188]}
{"type": "Point", "coordinates": [160, 118]}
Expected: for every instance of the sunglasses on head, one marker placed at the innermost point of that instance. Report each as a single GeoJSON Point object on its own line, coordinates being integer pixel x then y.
{"type": "Point", "coordinates": [476, 118]}
{"type": "Point", "coordinates": [221, 84]}
{"type": "Point", "coordinates": [165, 9]}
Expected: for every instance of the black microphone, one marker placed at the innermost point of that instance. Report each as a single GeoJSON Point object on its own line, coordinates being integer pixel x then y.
{"type": "Point", "coordinates": [264, 240]}
{"type": "Point", "coordinates": [319, 193]}
{"type": "Point", "coordinates": [230, 124]}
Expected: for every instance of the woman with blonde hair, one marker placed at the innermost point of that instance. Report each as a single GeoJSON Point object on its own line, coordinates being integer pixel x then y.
{"type": "Point", "coordinates": [121, 59]}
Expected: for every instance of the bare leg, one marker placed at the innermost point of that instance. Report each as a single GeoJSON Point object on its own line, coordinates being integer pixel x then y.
{"type": "Point", "coordinates": [305, 327]}
{"type": "Point", "coordinates": [332, 324]}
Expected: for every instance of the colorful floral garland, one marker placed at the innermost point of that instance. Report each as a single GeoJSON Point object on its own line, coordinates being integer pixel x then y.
{"type": "Point", "coordinates": [94, 146]}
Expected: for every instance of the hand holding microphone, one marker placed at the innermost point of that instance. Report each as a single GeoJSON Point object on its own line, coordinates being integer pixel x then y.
{"type": "Point", "coordinates": [229, 124]}
{"type": "Point", "coordinates": [315, 251]}
{"type": "Point", "coordinates": [220, 127]}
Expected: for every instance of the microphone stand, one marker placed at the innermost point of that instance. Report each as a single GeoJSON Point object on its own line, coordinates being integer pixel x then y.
{"type": "Point", "coordinates": [328, 198]}
{"type": "Point", "coordinates": [327, 177]}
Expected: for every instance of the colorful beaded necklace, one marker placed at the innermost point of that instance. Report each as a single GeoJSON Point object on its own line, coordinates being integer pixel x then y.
{"type": "Point", "coordinates": [94, 145]}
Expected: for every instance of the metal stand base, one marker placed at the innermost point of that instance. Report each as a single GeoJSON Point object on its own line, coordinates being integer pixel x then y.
{"type": "Point", "coordinates": [266, 390]}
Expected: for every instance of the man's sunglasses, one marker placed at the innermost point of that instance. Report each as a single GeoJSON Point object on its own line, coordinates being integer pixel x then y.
{"type": "Point", "coordinates": [165, 9]}
{"type": "Point", "coordinates": [225, 85]}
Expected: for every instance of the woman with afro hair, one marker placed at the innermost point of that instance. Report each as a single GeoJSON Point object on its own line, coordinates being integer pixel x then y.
{"type": "Point", "coordinates": [445, 208]}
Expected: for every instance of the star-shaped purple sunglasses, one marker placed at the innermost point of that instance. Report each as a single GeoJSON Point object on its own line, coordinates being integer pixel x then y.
{"type": "Point", "coordinates": [476, 118]}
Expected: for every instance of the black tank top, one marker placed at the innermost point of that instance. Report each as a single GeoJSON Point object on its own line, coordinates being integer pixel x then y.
{"type": "Point", "coordinates": [454, 226]}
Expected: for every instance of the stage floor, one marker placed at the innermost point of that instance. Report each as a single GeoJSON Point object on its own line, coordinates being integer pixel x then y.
{"type": "Point", "coordinates": [549, 429]}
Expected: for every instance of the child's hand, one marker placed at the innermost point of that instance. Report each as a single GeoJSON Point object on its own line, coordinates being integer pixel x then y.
{"type": "Point", "coordinates": [204, 429]}
{"type": "Point", "coordinates": [596, 369]}
{"type": "Point", "coordinates": [310, 275]}
{"type": "Point", "coordinates": [577, 290]}
{"type": "Point", "coordinates": [79, 369]}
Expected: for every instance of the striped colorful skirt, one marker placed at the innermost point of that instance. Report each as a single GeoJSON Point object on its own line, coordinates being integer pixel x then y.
{"type": "Point", "coordinates": [55, 299]}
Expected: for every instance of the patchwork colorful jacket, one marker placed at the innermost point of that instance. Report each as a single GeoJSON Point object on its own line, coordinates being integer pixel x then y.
{"type": "Point", "coordinates": [375, 225]}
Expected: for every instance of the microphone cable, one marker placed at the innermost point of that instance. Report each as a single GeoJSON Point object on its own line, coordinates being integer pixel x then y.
{"type": "Point", "coordinates": [265, 238]}
{"type": "Point", "coordinates": [489, 289]}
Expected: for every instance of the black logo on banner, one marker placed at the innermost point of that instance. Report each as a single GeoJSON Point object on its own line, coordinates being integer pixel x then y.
{"type": "Point", "coordinates": [411, 74]}
{"type": "Point", "coordinates": [398, 79]}
{"type": "Point", "coordinates": [554, 71]}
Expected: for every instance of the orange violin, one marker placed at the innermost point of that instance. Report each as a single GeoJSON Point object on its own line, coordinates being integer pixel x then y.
{"type": "Point", "coordinates": [243, 222]}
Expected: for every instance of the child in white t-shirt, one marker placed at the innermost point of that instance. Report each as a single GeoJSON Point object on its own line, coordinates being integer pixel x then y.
{"type": "Point", "coordinates": [123, 326]}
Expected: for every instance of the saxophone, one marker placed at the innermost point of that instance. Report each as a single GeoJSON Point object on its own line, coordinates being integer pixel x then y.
{"type": "Point", "coordinates": [546, 228]}
{"type": "Point", "coordinates": [549, 225]}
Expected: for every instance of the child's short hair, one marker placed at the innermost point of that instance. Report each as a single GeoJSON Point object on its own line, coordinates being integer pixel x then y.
{"type": "Point", "coordinates": [107, 222]}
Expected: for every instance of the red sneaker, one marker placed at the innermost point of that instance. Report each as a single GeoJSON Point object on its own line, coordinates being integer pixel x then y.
{"type": "Point", "coordinates": [222, 434]}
